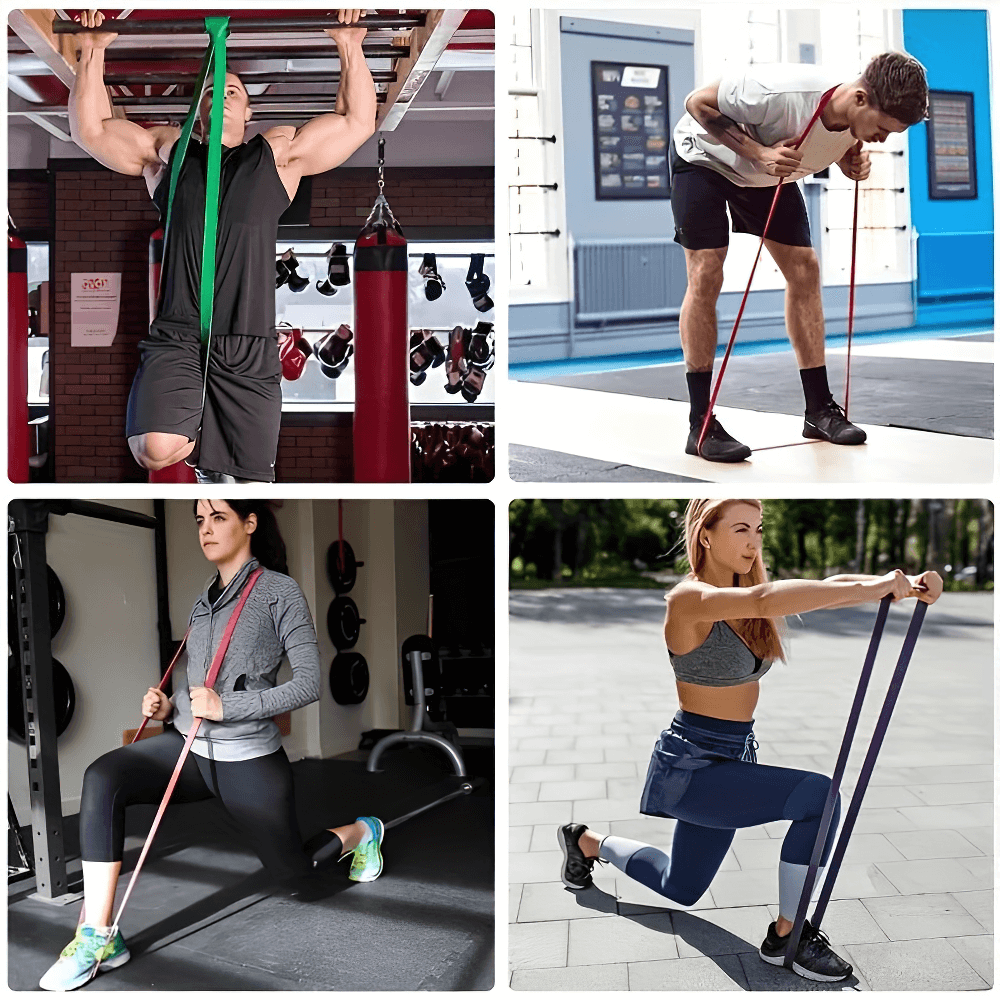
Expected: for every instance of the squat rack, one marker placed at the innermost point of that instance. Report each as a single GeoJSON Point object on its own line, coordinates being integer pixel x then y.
{"type": "Point", "coordinates": [27, 527]}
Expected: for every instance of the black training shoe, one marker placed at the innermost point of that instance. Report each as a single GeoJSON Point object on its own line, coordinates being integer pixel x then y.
{"type": "Point", "coordinates": [718, 446]}
{"type": "Point", "coordinates": [576, 869]}
{"type": "Point", "coordinates": [814, 959]}
{"type": "Point", "coordinates": [831, 424]}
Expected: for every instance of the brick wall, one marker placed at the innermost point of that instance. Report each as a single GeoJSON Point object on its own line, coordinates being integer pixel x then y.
{"type": "Point", "coordinates": [443, 196]}
{"type": "Point", "coordinates": [103, 222]}
{"type": "Point", "coordinates": [318, 451]}
{"type": "Point", "coordinates": [28, 202]}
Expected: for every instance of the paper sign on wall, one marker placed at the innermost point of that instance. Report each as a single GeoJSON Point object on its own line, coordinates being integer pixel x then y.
{"type": "Point", "coordinates": [95, 304]}
{"type": "Point", "coordinates": [641, 76]}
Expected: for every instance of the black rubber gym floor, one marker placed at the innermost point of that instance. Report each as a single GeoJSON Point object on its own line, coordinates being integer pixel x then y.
{"type": "Point", "coordinates": [538, 465]}
{"type": "Point", "coordinates": [950, 397]}
{"type": "Point", "coordinates": [205, 916]}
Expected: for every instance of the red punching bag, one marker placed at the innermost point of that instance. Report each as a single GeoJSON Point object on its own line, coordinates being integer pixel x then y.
{"type": "Point", "coordinates": [17, 360]}
{"type": "Point", "coordinates": [382, 352]}
{"type": "Point", "coordinates": [179, 472]}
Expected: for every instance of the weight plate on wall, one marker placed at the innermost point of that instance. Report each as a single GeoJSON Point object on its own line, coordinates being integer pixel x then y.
{"type": "Point", "coordinates": [343, 622]}
{"type": "Point", "coordinates": [349, 678]}
{"type": "Point", "coordinates": [57, 605]}
{"type": "Point", "coordinates": [341, 579]}
{"type": "Point", "coordinates": [65, 699]}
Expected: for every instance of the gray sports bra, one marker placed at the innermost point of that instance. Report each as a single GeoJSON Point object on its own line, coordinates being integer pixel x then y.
{"type": "Point", "coordinates": [722, 660]}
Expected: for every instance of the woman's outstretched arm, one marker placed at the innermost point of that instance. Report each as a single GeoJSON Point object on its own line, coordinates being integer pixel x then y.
{"type": "Point", "coordinates": [698, 601]}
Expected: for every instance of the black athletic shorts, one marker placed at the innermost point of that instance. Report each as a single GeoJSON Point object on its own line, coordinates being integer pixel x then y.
{"type": "Point", "coordinates": [242, 414]}
{"type": "Point", "coordinates": [699, 196]}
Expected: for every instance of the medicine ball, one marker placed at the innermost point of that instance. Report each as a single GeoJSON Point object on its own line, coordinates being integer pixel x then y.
{"type": "Point", "coordinates": [65, 699]}
{"type": "Point", "coordinates": [349, 678]}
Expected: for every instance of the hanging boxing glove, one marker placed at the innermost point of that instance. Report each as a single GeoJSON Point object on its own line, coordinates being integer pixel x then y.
{"type": "Point", "coordinates": [296, 281]}
{"type": "Point", "coordinates": [334, 350]}
{"type": "Point", "coordinates": [480, 354]}
{"type": "Point", "coordinates": [433, 282]}
{"type": "Point", "coordinates": [480, 347]}
{"type": "Point", "coordinates": [338, 270]}
{"type": "Point", "coordinates": [478, 283]}
{"type": "Point", "coordinates": [280, 272]}
{"type": "Point", "coordinates": [425, 352]}
{"type": "Point", "coordinates": [456, 367]}
{"type": "Point", "coordinates": [293, 352]}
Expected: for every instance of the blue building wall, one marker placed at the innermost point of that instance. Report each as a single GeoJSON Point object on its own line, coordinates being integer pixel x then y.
{"type": "Point", "coordinates": [955, 236]}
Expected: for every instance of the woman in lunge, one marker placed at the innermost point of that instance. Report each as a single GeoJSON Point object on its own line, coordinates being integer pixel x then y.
{"type": "Point", "coordinates": [722, 636]}
{"type": "Point", "coordinates": [237, 756]}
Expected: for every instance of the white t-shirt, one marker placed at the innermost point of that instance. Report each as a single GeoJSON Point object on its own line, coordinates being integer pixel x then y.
{"type": "Point", "coordinates": [772, 104]}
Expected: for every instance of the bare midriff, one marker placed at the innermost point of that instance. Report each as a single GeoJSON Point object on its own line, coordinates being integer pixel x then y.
{"type": "Point", "coordinates": [736, 703]}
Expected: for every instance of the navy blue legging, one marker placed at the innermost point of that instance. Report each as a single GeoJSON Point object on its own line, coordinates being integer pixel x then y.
{"type": "Point", "coordinates": [257, 793]}
{"type": "Point", "coordinates": [722, 798]}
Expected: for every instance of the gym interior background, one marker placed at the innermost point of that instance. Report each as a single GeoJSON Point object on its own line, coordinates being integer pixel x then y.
{"type": "Point", "coordinates": [77, 216]}
{"type": "Point", "coordinates": [430, 918]}
{"type": "Point", "coordinates": [593, 277]}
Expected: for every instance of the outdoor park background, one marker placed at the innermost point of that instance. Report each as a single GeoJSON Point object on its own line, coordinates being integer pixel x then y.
{"type": "Point", "coordinates": [638, 543]}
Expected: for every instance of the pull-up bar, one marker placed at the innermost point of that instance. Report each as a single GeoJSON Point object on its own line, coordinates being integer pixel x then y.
{"type": "Point", "coordinates": [237, 50]}
{"type": "Point", "coordinates": [196, 26]}
{"type": "Point", "coordinates": [139, 77]}
{"type": "Point", "coordinates": [101, 511]}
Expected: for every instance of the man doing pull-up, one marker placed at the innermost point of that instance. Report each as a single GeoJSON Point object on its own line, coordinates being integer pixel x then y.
{"type": "Point", "coordinates": [227, 416]}
{"type": "Point", "coordinates": [731, 149]}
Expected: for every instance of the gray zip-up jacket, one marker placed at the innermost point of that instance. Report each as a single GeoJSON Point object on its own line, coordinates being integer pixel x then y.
{"type": "Point", "coordinates": [275, 620]}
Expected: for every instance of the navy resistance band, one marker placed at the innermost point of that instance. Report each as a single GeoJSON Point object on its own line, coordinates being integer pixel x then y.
{"type": "Point", "coordinates": [881, 727]}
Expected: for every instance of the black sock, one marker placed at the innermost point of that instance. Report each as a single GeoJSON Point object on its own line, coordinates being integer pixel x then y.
{"type": "Point", "coordinates": [699, 393]}
{"type": "Point", "coordinates": [816, 388]}
{"type": "Point", "coordinates": [325, 846]}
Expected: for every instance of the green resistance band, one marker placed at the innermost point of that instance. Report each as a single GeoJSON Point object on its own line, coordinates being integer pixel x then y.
{"type": "Point", "coordinates": [215, 57]}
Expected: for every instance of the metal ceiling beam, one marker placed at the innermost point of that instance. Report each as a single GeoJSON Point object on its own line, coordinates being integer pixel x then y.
{"type": "Point", "coordinates": [144, 107]}
{"type": "Point", "coordinates": [185, 26]}
{"type": "Point", "coordinates": [48, 125]}
{"type": "Point", "coordinates": [426, 46]}
{"type": "Point", "coordinates": [34, 28]}
{"type": "Point", "coordinates": [23, 64]}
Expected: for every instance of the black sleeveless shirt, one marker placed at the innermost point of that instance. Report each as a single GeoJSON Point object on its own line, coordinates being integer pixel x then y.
{"type": "Point", "coordinates": [252, 200]}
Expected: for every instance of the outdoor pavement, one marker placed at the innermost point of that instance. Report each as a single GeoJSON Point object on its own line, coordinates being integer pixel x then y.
{"type": "Point", "coordinates": [912, 908]}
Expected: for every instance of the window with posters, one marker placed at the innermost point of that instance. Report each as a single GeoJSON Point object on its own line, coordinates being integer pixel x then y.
{"type": "Point", "coordinates": [631, 131]}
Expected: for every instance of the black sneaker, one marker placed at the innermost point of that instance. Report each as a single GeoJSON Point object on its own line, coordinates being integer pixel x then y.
{"type": "Point", "coordinates": [831, 424]}
{"type": "Point", "coordinates": [814, 960]}
{"type": "Point", "coordinates": [576, 869]}
{"type": "Point", "coordinates": [718, 446]}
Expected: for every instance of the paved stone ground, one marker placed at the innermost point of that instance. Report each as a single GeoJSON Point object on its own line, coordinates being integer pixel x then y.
{"type": "Point", "coordinates": [913, 906]}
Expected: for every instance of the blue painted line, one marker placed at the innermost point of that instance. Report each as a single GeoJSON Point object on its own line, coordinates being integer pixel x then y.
{"type": "Point", "coordinates": [538, 371]}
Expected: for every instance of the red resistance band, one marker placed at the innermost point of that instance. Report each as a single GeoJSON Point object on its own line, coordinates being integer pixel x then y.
{"type": "Point", "coordinates": [213, 673]}
{"type": "Point", "coordinates": [824, 100]}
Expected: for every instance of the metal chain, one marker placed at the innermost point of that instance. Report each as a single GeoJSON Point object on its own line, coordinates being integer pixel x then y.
{"type": "Point", "coordinates": [381, 164]}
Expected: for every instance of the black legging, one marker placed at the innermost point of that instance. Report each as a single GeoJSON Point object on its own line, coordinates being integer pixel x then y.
{"type": "Point", "coordinates": [257, 793]}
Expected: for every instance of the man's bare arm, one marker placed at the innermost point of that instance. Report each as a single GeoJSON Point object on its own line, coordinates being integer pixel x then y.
{"type": "Point", "coordinates": [703, 106]}
{"type": "Point", "coordinates": [119, 144]}
{"type": "Point", "coordinates": [328, 140]}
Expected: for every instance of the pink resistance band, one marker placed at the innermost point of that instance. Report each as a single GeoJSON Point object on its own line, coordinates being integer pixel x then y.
{"type": "Point", "coordinates": [824, 100]}
{"type": "Point", "coordinates": [213, 673]}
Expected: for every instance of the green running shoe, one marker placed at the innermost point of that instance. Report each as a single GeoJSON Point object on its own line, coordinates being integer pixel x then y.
{"type": "Point", "coordinates": [78, 962]}
{"type": "Point", "coordinates": [366, 864]}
